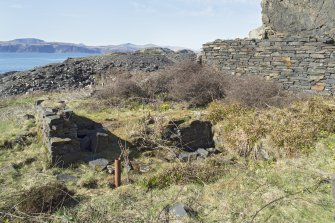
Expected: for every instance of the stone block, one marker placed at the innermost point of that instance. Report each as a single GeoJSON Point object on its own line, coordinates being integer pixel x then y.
{"type": "Point", "coordinates": [64, 151]}
{"type": "Point", "coordinates": [318, 87]}
{"type": "Point", "coordinates": [53, 120]}
{"type": "Point", "coordinates": [317, 56]}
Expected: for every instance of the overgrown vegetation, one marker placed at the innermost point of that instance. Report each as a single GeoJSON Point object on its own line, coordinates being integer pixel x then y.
{"type": "Point", "coordinates": [196, 85]}
{"type": "Point", "coordinates": [250, 116]}
{"type": "Point", "coordinates": [283, 132]}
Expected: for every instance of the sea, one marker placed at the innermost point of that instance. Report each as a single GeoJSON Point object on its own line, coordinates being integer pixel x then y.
{"type": "Point", "coordinates": [27, 61]}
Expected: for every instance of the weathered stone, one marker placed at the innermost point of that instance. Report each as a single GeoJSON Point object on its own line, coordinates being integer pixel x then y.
{"type": "Point", "coordinates": [202, 152]}
{"type": "Point", "coordinates": [318, 87]}
{"type": "Point", "coordinates": [179, 211]}
{"type": "Point", "coordinates": [298, 18]}
{"type": "Point", "coordinates": [187, 157]}
{"type": "Point", "coordinates": [64, 151]}
{"type": "Point", "coordinates": [99, 164]}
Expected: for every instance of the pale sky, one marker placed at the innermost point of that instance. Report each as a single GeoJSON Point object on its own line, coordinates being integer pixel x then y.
{"type": "Point", "coordinates": [186, 23]}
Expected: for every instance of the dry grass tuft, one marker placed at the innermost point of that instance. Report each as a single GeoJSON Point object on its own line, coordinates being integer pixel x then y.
{"type": "Point", "coordinates": [44, 199]}
{"type": "Point", "coordinates": [281, 131]}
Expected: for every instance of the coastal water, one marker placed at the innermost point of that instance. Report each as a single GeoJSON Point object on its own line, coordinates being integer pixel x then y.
{"type": "Point", "coordinates": [26, 61]}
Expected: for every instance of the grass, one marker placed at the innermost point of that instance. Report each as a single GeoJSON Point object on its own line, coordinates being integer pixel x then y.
{"type": "Point", "coordinates": [284, 132]}
{"type": "Point", "coordinates": [224, 188]}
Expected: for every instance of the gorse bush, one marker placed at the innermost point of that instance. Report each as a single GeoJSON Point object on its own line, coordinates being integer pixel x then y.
{"type": "Point", "coordinates": [287, 131]}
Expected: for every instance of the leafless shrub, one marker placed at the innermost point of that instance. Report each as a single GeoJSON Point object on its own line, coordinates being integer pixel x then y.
{"type": "Point", "coordinates": [123, 88]}
{"type": "Point", "coordinates": [255, 91]}
{"type": "Point", "coordinates": [157, 85]}
{"type": "Point", "coordinates": [196, 84]}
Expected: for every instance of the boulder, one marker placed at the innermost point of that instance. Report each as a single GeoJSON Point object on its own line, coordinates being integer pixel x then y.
{"type": "Point", "coordinates": [298, 18]}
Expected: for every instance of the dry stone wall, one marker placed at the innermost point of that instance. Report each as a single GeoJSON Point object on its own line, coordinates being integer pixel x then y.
{"type": "Point", "coordinates": [299, 64]}
{"type": "Point", "coordinates": [69, 138]}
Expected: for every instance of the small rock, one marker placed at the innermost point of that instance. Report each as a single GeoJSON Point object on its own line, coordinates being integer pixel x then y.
{"type": "Point", "coordinates": [144, 168]}
{"type": "Point", "coordinates": [66, 178]}
{"type": "Point", "coordinates": [213, 151]}
{"type": "Point", "coordinates": [203, 153]}
{"type": "Point", "coordinates": [186, 157]}
{"type": "Point", "coordinates": [99, 164]}
{"type": "Point", "coordinates": [178, 210]}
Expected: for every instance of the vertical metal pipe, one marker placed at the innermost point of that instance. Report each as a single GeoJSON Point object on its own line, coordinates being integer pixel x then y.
{"type": "Point", "coordinates": [117, 164]}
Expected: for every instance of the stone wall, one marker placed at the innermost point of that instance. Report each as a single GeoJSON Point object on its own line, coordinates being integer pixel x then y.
{"type": "Point", "coordinates": [298, 63]}
{"type": "Point", "coordinates": [69, 138]}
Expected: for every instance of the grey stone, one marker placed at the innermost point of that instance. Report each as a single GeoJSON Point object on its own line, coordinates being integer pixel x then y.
{"type": "Point", "coordinates": [66, 178]}
{"type": "Point", "coordinates": [179, 210]}
{"type": "Point", "coordinates": [213, 151]}
{"type": "Point", "coordinates": [99, 164]}
{"type": "Point", "coordinates": [203, 153]}
{"type": "Point", "coordinates": [187, 157]}
{"type": "Point", "coordinates": [298, 18]}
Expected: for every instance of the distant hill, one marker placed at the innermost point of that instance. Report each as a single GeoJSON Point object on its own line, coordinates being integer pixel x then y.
{"type": "Point", "coordinates": [40, 46]}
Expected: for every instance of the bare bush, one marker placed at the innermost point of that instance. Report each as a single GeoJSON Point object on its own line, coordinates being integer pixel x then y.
{"type": "Point", "coordinates": [195, 84]}
{"type": "Point", "coordinates": [255, 91]}
{"type": "Point", "coordinates": [122, 88]}
{"type": "Point", "coordinates": [157, 85]}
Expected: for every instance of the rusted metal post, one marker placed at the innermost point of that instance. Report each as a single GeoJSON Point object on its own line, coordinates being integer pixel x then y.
{"type": "Point", "coordinates": [117, 164]}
